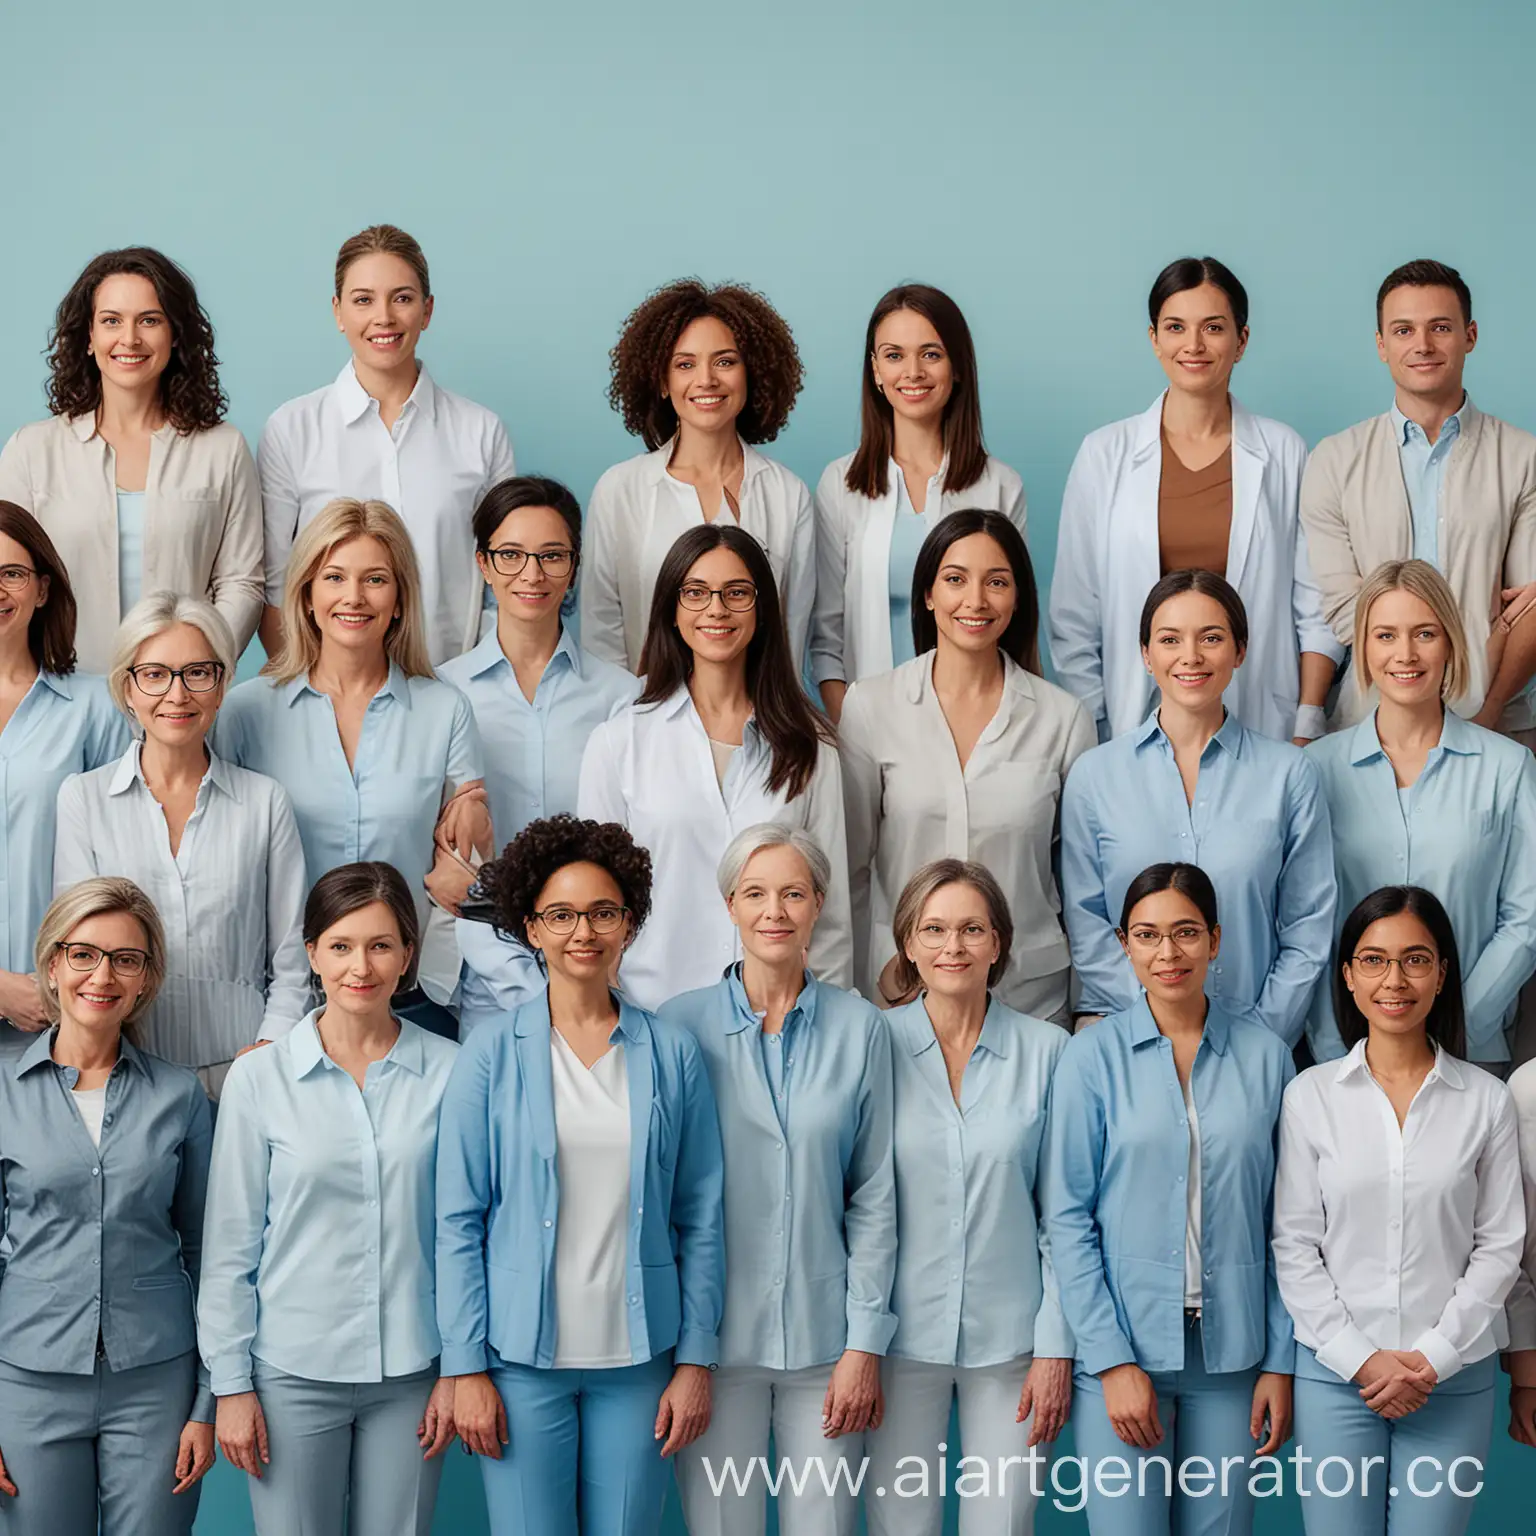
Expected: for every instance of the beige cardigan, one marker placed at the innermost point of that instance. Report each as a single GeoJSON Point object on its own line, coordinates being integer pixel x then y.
{"type": "Point", "coordinates": [202, 520]}
{"type": "Point", "coordinates": [1354, 509]}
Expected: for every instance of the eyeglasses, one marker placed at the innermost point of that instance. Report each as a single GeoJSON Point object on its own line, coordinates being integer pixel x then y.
{"type": "Point", "coordinates": [86, 957]}
{"type": "Point", "coordinates": [200, 677]}
{"type": "Point", "coordinates": [604, 918]}
{"type": "Point", "coordinates": [1415, 967]}
{"type": "Point", "coordinates": [14, 578]}
{"type": "Point", "coordinates": [738, 596]}
{"type": "Point", "coordinates": [1184, 936]}
{"type": "Point", "coordinates": [936, 935]}
{"type": "Point", "coordinates": [553, 563]}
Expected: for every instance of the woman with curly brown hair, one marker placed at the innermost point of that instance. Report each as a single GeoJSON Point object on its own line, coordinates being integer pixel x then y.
{"type": "Point", "coordinates": [700, 375]}
{"type": "Point", "coordinates": [139, 480]}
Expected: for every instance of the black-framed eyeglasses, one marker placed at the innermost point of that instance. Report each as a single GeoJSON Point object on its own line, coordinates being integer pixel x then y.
{"type": "Point", "coordinates": [1416, 966]}
{"type": "Point", "coordinates": [14, 578]}
{"type": "Point", "coordinates": [553, 563]}
{"type": "Point", "coordinates": [605, 917]}
{"type": "Point", "coordinates": [155, 680]}
{"type": "Point", "coordinates": [86, 957]}
{"type": "Point", "coordinates": [738, 596]}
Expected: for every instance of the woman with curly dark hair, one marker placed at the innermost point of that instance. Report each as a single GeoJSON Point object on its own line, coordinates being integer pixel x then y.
{"type": "Point", "coordinates": [580, 1256]}
{"type": "Point", "coordinates": [139, 480]}
{"type": "Point", "coordinates": [700, 375]}
{"type": "Point", "coordinates": [722, 738]}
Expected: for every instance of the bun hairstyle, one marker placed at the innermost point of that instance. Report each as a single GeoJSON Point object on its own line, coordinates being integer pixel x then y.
{"type": "Point", "coordinates": [1190, 272]}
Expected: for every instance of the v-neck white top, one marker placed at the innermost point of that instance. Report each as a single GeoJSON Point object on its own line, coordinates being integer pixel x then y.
{"type": "Point", "coordinates": [1192, 1204]}
{"type": "Point", "coordinates": [592, 1165]}
{"type": "Point", "coordinates": [92, 1104]}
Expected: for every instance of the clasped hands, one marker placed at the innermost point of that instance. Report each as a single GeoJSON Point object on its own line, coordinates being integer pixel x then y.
{"type": "Point", "coordinates": [1395, 1382]}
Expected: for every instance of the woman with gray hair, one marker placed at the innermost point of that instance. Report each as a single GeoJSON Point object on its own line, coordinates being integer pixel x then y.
{"type": "Point", "coordinates": [214, 845]}
{"type": "Point", "coordinates": [106, 1423]}
{"type": "Point", "coordinates": [802, 1077]}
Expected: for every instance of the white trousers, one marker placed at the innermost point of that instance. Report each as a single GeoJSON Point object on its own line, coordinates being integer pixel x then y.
{"type": "Point", "coordinates": [992, 1484]}
{"type": "Point", "coordinates": [732, 1456]}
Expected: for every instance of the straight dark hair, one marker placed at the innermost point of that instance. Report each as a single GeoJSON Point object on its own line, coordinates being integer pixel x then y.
{"type": "Point", "coordinates": [1424, 273]}
{"type": "Point", "coordinates": [793, 730]}
{"type": "Point", "coordinates": [1021, 640]}
{"type": "Point", "coordinates": [349, 888]}
{"type": "Point", "coordinates": [1189, 880]}
{"type": "Point", "coordinates": [51, 632]}
{"type": "Point", "coordinates": [1190, 272]}
{"type": "Point", "coordinates": [869, 473]}
{"type": "Point", "coordinates": [1207, 584]}
{"type": "Point", "coordinates": [1446, 1025]}
{"type": "Point", "coordinates": [512, 495]}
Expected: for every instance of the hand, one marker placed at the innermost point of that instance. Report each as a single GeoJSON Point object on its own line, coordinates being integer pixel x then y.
{"type": "Point", "coordinates": [1130, 1400]}
{"type": "Point", "coordinates": [1271, 1402]}
{"type": "Point", "coordinates": [21, 1002]}
{"type": "Point", "coordinates": [682, 1415]}
{"type": "Point", "coordinates": [1518, 601]}
{"type": "Point", "coordinates": [1391, 1386]}
{"type": "Point", "coordinates": [853, 1402]}
{"type": "Point", "coordinates": [890, 995]}
{"type": "Point", "coordinates": [194, 1455]}
{"type": "Point", "coordinates": [1302, 741]}
{"type": "Point", "coordinates": [464, 827]}
{"type": "Point", "coordinates": [241, 1428]}
{"type": "Point", "coordinates": [435, 1432]}
{"type": "Point", "coordinates": [449, 880]}
{"type": "Point", "coordinates": [1048, 1395]}
{"type": "Point", "coordinates": [480, 1414]}
{"type": "Point", "coordinates": [1522, 1418]}
{"type": "Point", "coordinates": [6, 1485]}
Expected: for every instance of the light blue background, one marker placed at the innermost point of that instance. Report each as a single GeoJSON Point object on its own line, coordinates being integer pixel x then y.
{"type": "Point", "coordinates": [1039, 161]}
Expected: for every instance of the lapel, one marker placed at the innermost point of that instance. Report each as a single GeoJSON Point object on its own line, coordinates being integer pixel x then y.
{"type": "Point", "coordinates": [1249, 457]}
{"type": "Point", "coordinates": [640, 1066]}
{"type": "Point", "coordinates": [531, 1028]}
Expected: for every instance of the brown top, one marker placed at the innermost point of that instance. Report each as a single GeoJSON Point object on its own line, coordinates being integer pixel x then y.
{"type": "Point", "coordinates": [1194, 513]}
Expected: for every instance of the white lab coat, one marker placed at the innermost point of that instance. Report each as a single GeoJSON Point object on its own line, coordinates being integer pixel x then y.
{"type": "Point", "coordinates": [1107, 560]}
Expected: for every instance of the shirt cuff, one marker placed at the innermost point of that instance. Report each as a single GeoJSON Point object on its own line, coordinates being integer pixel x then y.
{"type": "Point", "coordinates": [1520, 1315]}
{"type": "Point", "coordinates": [1053, 1339]}
{"type": "Point", "coordinates": [463, 1360]}
{"type": "Point", "coordinates": [870, 1332]}
{"type": "Point", "coordinates": [695, 1347]}
{"type": "Point", "coordinates": [1105, 1354]}
{"type": "Point", "coordinates": [1311, 721]}
{"type": "Point", "coordinates": [230, 1378]}
{"type": "Point", "coordinates": [1440, 1353]}
{"type": "Point", "coordinates": [1346, 1352]}
{"type": "Point", "coordinates": [203, 1406]}
{"type": "Point", "coordinates": [826, 669]}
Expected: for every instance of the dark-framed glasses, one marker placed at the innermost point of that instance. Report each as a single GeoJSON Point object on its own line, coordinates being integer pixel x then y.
{"type": "Point", "coordinates": [14, 578]}
{"type": "Point", "coordinates": [738, 596]}
{"type": "Point", "coordinates": [554, 563]}
{"type": "Point", "coordinates": [605, 917]}
{"type": "Point", "coordinates": [936, 935]}
{"type": "Point", "coordinates": [86, 957]}
{"type": "Point", "coordinates": [1415, 966]}
{"type": "Point", "coordinates": [155, 680]}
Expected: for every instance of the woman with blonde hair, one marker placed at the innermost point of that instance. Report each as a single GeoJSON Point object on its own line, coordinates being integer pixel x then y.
{"type": "Point", "coordinates": [349, 719]}
{"type": "Point", "coordinates": [216, 846]}
{"type": "Point", "coordinates": [1419, 796]}
{"type": "Point", "coordinates": [106, 1422]}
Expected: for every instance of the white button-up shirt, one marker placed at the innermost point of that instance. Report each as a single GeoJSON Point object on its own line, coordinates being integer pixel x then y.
{"type": "Point", "coordinates": [637, 513]}
{"type": "Point", "coordinates": [1520, 1310]}
{"type": "Point", "coordinates": [649, 768]}
{"type": "Point", "coordinates": [441, 456]}
{"type": "Point", "coordinates": [1388, 1238]}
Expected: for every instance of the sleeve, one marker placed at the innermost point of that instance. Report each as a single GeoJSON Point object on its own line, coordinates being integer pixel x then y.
{"type": "Point", "coordinates": [16, 474]}
{"type": "Point", "coordinates": [1520, 1308]}
{"type": "Point", "coordinates": [1520, 552]}
{"type": "Point", "coordinates": [1014, 508]}
{"type": "Point", "coordinates": [74, 846]}
{"type": "Point", "coordinates": [236, 583]}
{"type": "Point", "coordinates": [1074, 1167]}
{"type": "Point", "coordinates": [188, 1215]}
{"type": "Point", "coordinates": [1325, 541]}
{"type": "Point", "coordinates": [1103, 972]}
{"type": "Point", "coordinates": [1304, 903]}
{"type": "Point", "coordinates": [869, 1203]}
{"type": "Point", "coordinates": [500, 463]}
{"type": "Point", "coordinates": [602, 611]}
{"type": "Point", "coordinates": [600, 789]}
{"type": "Point", "coordinates": [1498, 1240]}
{"type": "Point", "coordinates": [698, 1214]}
{"type": "Point", "coordinates": [234, 1235]}
{"type": "Point", "coordinates": [287, 963]}
{"type": "Point", "coordinates": [862, 794]}
{"type": "Point", "coordinates": [1312, 631]}
{"type": "Point", "coordinates": [499, 976]}
{"type": "Point", "coordinates": [828, 622]}
{"type": "Point", "coordinates": [831, 954]}
{"type": "Point", "coordinates": [1495, 977]}
{"type": "Point", "coordinates": [1298, 1227]}
{"type": "Point", "coordinates": [1075, 621]}
{"type": "Point", "coordinates": [1279, 1330]}
{"type": "Point", "coordinates": [279, 507]}
{"type": "Point", "coordinates": [463, 1209]}
{"type": "Point", "coordinates": [108, 735]}
{"type": "Point", "coordinates": [800, 577]}
{"type": "Point", "coordinates": [1053, 1339]}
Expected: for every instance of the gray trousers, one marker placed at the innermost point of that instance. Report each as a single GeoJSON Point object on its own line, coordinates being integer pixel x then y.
{"type": "Point", "coordinates": [96, 1450]}
{"type": "Point", "coordinates": [340, 1446]}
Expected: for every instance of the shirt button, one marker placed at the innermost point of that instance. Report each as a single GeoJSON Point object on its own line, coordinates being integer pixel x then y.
{"type": "Point", "coordinates": [95, 1173]}
{"type": "Point", "coordinates": [634, 1301]}
{"type": "Point", "coordinates": [639, 1210]}
{"type": "Point", "coordinates": [778, 1279]}
{"type": "Point", "coordinates": [549, 1223]}
{"type": "Point", "coordinates": [778, 1146]}
{"type": "Point", "coordinates": [954, 1221]}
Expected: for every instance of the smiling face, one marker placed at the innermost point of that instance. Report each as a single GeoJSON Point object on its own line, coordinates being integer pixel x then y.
{"type": "Point", "coordinates": [583, 956]}
{"type": "Point", "coordinates": [1424, 341]}
{"type": "Point", "coordinates": [1398, 1001]}
{"type": "Point", "coordinates": [533, 596]}
{"type": "Point", "coordinates": [716, 633]}
{"type": "Point", "coordinates": [706, 380]}
{"type": "Point", "coordinates": [1192, 654]}
{"type": "Point", "coordinates": [775, 905]}
{"type": "Point", "coordinates": [354, 595]}
{"type": "Point", "coordinates": [360, 960]}
{"type": "Point", "coordinates": [130, 335]}
{"type": "Point", "coordinates": [1170, 947]}
{"type": "Point", "coordinates": [180, 716]}
{"type": "Point", "coordinates": [912, 369]}
{"type": "Point", "coordinates": [1197, 340]}
{"type": "Point", "coordinates": [974, 595]}
{"type": "Point", "coordinates": [99, 1001]}
{"type": "Point", "coordinates": [382, 312]}
{"type": "Point", "coordinates": [954, 945]}
{"type": "Point", "coordinates": [1406, 649]}
{"type": "Point", "coordinates": [17, 608]}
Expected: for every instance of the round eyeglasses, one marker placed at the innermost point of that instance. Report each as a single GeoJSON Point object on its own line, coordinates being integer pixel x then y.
{"type": "Point", "coordinates": [1184, 936]}
{"type": "Point", "coordinates": [86, 957]}
{"type": "Point", "coordinates": [155, 680]}
{"type": "Point", "coordinates": [738, 596]}
{"type": "Point", "coordinates": [553, 563]}
{"type": "Point", "coordinates": [1416, 967]}
{"type": "Point", "coordinates": [604, 918]}
{"type": "Point", "coordinates": [14, 578]}
{"type": "Point", "coordinates": [936, 935]}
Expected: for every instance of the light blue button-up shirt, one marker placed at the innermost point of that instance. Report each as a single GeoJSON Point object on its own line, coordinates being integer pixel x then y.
{"type": "Point", "coordinates": [499, 1197]}
{"type": "Point", "coordinates": [1424, 474]}
{"type": "Point", "coordinates": [105, 1242]}
{"type": "Point", "coordinates": [810, 1204]}
{"type": "Point", "coordinates": [1468, 835]}
{"type": "Point", "coordinates": [974, 1284]}
{"type": "Point", "coordinates": [1116, 1196]}
{"type": "Point", "coordinates": [1258, 826]}
{"type": "Point", "coordinates": [318, 1256]}
{"type": "Point", "coordinates": [63, 725]}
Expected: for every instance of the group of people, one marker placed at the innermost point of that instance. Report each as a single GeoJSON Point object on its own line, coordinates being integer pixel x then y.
{"type": "Point", "coordinates": [567, 1038]}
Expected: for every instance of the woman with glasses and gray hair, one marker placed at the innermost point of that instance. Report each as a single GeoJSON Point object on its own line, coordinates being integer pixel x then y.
{"type": "Point", "coordinates": [106, 1422]}
{"type": "Point", "coordinates": [215, 846]}
{"type": "Point", "coordinates": [802, 1074]}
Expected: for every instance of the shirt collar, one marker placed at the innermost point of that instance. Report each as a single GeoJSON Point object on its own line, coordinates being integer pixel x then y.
{"type": "Point", "coordinates": [355, 401]}
{"type": "Point", "coordinates": [1018, 685]}
{"type": "Point", "coordinates": [396, 686]}
{"type": "Point", "coordinates": [130, 768]}
{"type": "Point", "coordinates": [744, 1016]}
{"type": "Point", "coordinates": [1143, 1026]}
{"type": "Point", "coordinates": [655, 466]}
{"type": "Point", "coordinates": [1229, 738]}
{"type": "Point", "coordinates": [1446, 1068]}
{"type": "Point", "coordinates": [1456, 735]}
{"type": "Point", "coordinates": [1148, 436]}
{"type": "Point", "coordinates": [55, 683]}
{"type": "Point", "coordinates": [306, 1052]}
{"type": "Point", "coordinates": [1459, 421]}
{"type": "Point", "coordinates": [41, 1050]}
{"type": "Point", "coordinates": [83, 427]}
{"type": "Point", "coordinates": [532, 1019]}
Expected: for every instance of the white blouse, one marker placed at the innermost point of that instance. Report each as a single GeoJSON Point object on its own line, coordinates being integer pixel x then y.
{"type": "Point", "coordinates": [1388, 1238]}
{"type": "Point", "coordinates": [636, 514]}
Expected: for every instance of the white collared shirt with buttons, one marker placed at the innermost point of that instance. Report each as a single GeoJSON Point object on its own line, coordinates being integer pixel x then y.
{"type": "Point", "coordinates": [441, 456]}
{"type": "Point", "coordinates": [638, 511]}
{"type": "Point", "coordinates": [1388, 1238]}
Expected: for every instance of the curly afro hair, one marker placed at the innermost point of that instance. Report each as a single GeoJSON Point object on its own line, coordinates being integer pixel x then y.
{"type": "Point", "coordinates": [644, 350]}
{"type": "Point", "coordinates": [512, 882]}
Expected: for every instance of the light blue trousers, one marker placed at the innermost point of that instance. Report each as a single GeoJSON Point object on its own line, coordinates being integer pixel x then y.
{"type": "Point", "coordinates": [96, 1450]}
{"type": "Point", "coordinates": [1414, 1476]}
{"type": "Point", "coordinates": [1202, 1415]}
{"type": "Point", "coordinates": [338, 1446]}
{"type": "Point", "coordinates": [582, 1458]}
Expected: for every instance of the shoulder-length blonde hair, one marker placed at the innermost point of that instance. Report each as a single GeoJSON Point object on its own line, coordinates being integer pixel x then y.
{"type": "Point", "coordinates": [97, 897]}
{"type": "Point", "coordinates": [1431, 588]}
{"type": "Point", "coordinates": [337, 523]}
